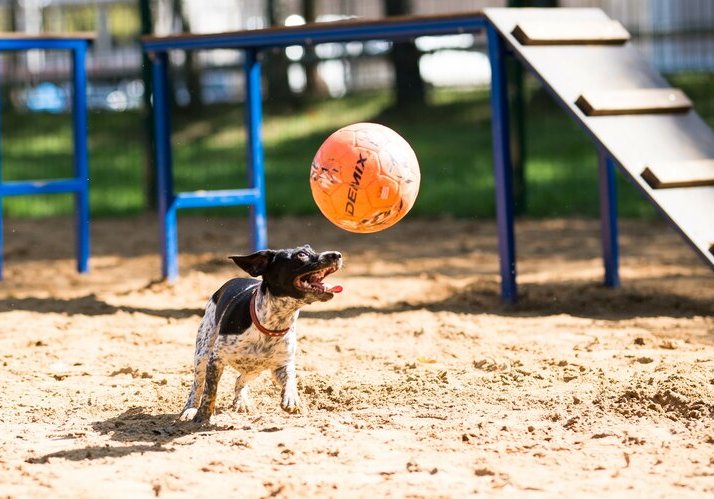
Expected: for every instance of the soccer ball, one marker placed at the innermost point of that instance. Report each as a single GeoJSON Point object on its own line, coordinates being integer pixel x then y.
{"type": "Point", "coordinates": [365, 177]}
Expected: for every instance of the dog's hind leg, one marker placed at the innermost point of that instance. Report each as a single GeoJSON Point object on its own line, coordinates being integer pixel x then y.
{"type": "Point", "coordinates": [205, 340]}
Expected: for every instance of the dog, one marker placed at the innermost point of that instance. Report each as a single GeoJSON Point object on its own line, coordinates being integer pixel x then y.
{"type": "Point", "coordinates": [250, 325]}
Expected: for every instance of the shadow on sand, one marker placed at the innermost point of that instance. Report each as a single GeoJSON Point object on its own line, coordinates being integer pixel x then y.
{"type": "Point", "coordinates": [143, 431]}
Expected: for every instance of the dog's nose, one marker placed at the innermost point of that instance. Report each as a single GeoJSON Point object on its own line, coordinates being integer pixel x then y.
{"type": "Point", "coordinates": [333, 255]}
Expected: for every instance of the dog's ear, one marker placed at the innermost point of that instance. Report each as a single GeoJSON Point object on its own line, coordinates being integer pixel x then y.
{"type": "Point", "coordinates": [255, 264]}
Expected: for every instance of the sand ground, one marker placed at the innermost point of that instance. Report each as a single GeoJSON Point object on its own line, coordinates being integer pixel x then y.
{"type": "Point", "coordinates": [417, 381]}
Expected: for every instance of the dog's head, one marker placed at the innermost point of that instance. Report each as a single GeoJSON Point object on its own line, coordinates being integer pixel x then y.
{"type": "Point", "coordinates": [297, 273]}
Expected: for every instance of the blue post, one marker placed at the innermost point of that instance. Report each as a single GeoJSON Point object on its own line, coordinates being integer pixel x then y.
{"type": "Point", "coordinates": [256, 171]}
{"type": "Point", "coordinates": [608, 218]}
{"type": "Point", "coordinates": [502, 166]}
{"type": "Point", "coordinates": [164, 174]}
{"type": "Point", "coordinates": [2, 241]}
{"type": "Point", "coordinates": [81, 165]}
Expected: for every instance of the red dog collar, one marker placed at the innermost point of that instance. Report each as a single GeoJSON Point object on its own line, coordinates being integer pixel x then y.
{"type": "Point", "coordinates": [275, 333]}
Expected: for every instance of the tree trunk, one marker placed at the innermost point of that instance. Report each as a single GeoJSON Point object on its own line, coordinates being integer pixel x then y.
{"type": "Point", "coordinates": [276, 63]}
{"type": "Point", "coordinates": [147, 28]}
{"type": "Point", "coordinates": [409, 88]}
{"type": "Point", "coordinates": [314, 86]}
{"type": "Point", "coordinates": [191, 69]}
{"type": "Point", "coordinates": [12, 56]}
{"type": "Point", "coordinates": [516, 92]}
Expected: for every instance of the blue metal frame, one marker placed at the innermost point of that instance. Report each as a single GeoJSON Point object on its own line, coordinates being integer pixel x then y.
{"type": "Point", "coordinates": [252, 43]}
{"type": "Point", "coordinates": [79, 184]}
{"type": "Point", "coordinates": [310, 34]}
{"type": "Point", "coordinates": [502, 165]}
{"type": "Point", "coordinates": [2, 228]}
{"type": "Point", "coordinates": [256, 174]}
{"type": "Point", "coordinates": [162, 158]}
{"type": "Point", "coordinates": [81, 160]}
{"type": "Point", "coordinates": [608, 218]}
{"type": "Point", "coordinates": [169, 201]}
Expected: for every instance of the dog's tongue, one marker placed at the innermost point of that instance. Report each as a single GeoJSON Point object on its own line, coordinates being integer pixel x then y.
{"type": "Point", "coordinates": [334, 289]}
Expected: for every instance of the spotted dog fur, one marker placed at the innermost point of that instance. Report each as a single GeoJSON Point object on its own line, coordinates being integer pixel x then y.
{"type": "Point", "coordinates": [227, 335]}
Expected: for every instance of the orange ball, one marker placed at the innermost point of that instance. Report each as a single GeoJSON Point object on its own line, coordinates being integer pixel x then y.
{"type": "Point", "coordinates": [365, 177]}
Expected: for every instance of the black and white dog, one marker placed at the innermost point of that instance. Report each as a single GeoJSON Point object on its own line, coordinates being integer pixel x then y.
{"type": "Point", "coordinates": [249, 325]}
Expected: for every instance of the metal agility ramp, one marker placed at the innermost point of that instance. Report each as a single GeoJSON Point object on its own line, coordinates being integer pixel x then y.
{"type": "Point", "coordinates": [636, 119]}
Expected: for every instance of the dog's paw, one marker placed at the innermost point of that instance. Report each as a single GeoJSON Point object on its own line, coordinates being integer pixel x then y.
{"type": "Point", "coordinates": [201, 417]}
{"type": "Point", "coordinates": [243, 405]}
{"type": "Point", "coordinates": [291, 403]}
{"type": "Point", "coordinates": [188, 414]}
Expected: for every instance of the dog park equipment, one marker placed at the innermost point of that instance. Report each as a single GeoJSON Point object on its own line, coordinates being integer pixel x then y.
{"type": "Point", "coordinates": [77, 44]}
{"type": "Point", "coordinates": [252, 43]}
{"type": "Point", "coordinates": [637, 121]}
{"type": "Point", "coordinates": [574, 52]}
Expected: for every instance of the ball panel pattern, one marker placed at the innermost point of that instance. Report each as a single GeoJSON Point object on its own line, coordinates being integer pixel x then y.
{"type": "Point", "coordinates": [365, 177]}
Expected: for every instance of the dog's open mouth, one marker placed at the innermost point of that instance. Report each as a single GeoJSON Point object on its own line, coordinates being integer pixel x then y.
{"type": "Point", "coordinates": [313, 282]}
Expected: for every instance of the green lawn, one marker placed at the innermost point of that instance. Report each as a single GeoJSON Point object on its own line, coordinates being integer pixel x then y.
{"type": "Point", "coordinates": [451, 136]}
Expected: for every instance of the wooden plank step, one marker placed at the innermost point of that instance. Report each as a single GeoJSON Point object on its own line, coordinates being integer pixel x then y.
{"type": "Point", "coordinates": [538, 32]}
{"type": "Point", "coordinates": [667, 175]}
{"type": "Point", "coordinates": [634, 101]}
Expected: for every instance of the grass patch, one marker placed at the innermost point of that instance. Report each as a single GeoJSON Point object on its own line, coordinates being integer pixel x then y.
{"type": "Point", "coordinates": [451, 136]}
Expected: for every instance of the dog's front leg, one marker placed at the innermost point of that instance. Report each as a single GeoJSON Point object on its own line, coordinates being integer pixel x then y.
{"type": "Point", "coordinates": [214, 370]}
{"type": "Point", "coordinates": [205, 340]}
{"type": "Point", "coordinates": [199, 380]}
{"type": "Point", "coordinates": [242, 401]}
{"type": "Point", "coordinates": [286, 378]}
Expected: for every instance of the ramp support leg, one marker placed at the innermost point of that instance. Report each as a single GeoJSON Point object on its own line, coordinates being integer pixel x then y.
{"type": "Point", "coordinates": [503, 168]}
{"type": "Point", "coordinates": [608, 218]}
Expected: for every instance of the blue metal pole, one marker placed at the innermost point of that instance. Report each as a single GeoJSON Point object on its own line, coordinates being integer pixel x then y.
{"type": "Point", "coordinates": [608, 218]}
{"type": "Point", "coordinates": [164, 174]}
{"type": "Point", "coordinates": [256, 171]}
{"type": "Point", "coordinates": [502, 166]}
{"type": "Point", "coordinates": [81, 164]}
{"type": "Point", "coordinates": [2, 241]}
{"type": "Point", "coordinates": [396, 29]}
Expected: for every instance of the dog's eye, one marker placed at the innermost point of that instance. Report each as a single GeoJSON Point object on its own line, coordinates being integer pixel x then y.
{"type": "Point", "coordinates": [302, 255]}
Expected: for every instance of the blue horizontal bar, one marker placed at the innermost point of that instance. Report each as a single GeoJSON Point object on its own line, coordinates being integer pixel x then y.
{"type": "Point", "coordinates": [215, 199]}
{"type": "Point", "coordinates": [43, 43]}
{"type": "Point", "coordinates": [28, 187]}
{"type": "Point", "coordinates": [308, 34]}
